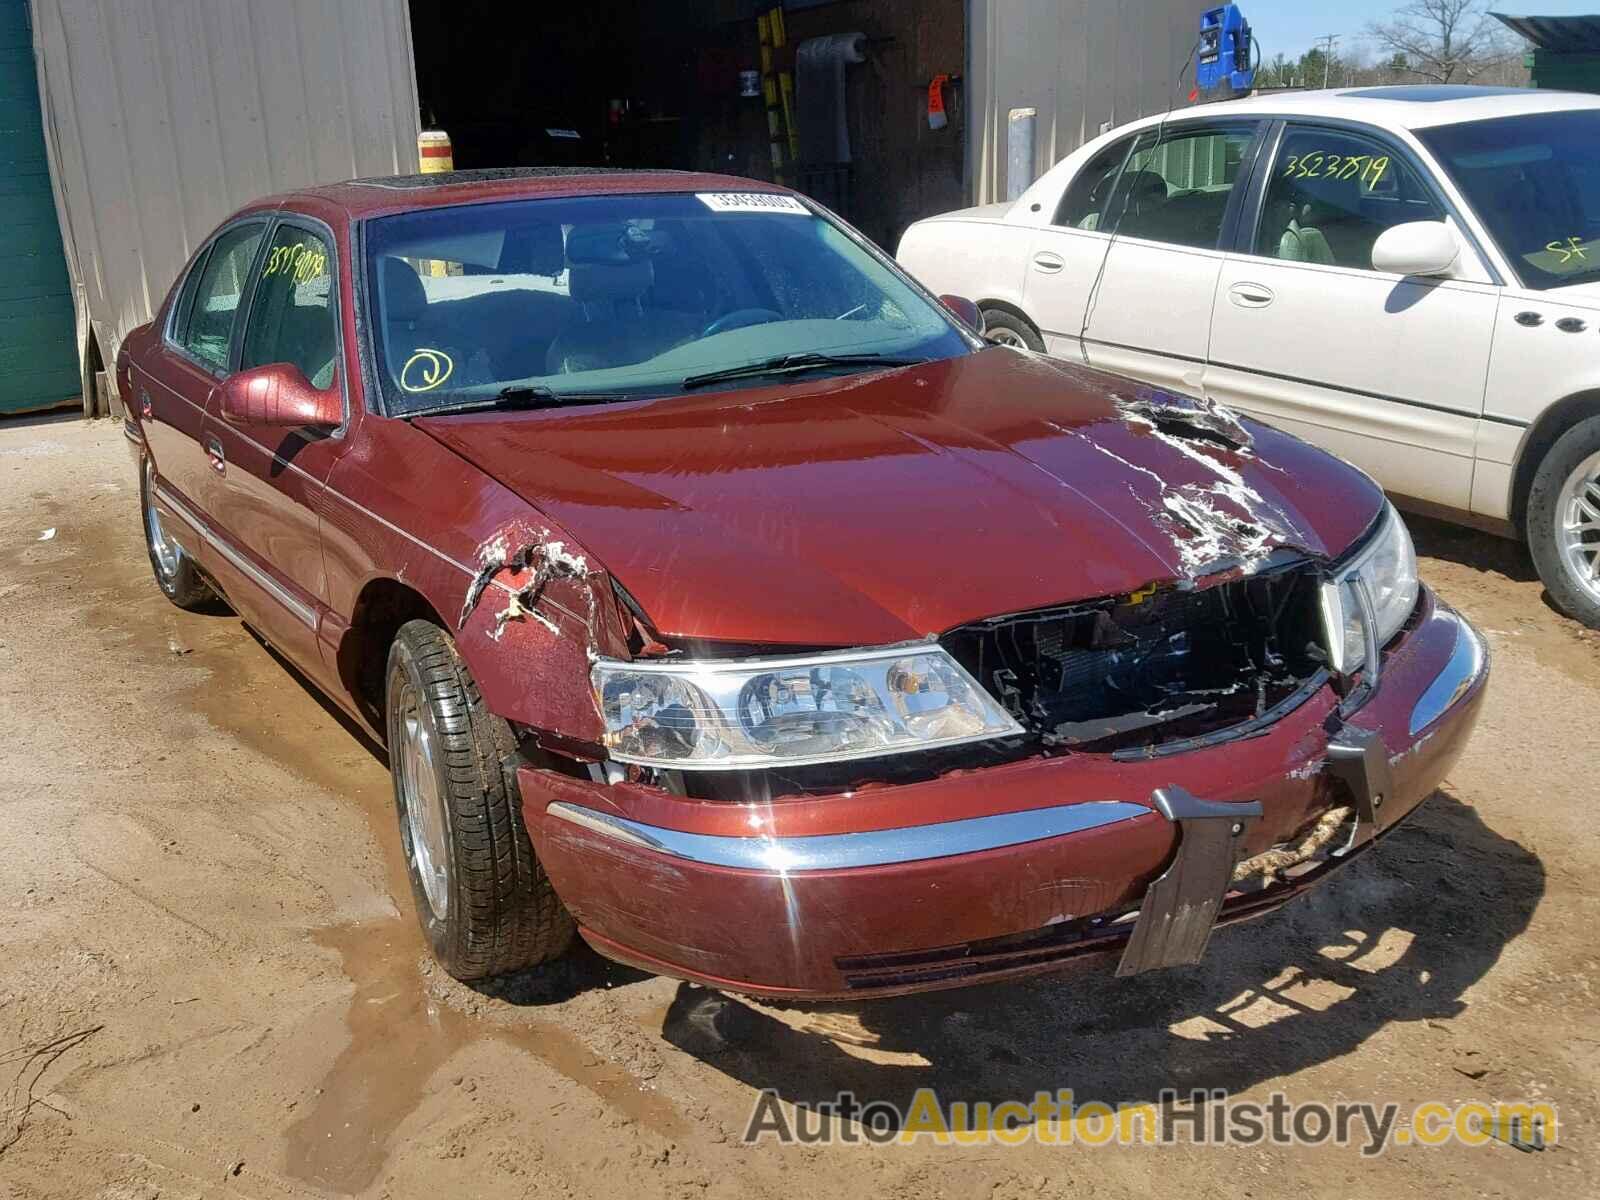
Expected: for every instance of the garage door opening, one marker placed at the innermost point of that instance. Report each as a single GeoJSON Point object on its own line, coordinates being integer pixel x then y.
{"type": "Point", "coordinates": [627, 83]}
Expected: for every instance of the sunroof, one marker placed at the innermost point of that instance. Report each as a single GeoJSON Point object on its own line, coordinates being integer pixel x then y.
{"type": "Point", "coordinates": [492, 174]}
{"type": "Point", "coordinates": [1431, 93]}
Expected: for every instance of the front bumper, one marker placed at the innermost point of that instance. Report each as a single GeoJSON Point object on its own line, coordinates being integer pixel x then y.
{"type": "Point", "coordinates": [1005, 871]}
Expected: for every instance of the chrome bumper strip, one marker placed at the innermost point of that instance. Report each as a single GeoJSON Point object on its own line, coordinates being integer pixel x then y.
{"type": "Point", "coordinates": [1462, 670]}
{"type": "Point", "coordinates": [131, 432]}
{"type": "Point", "coordinates": [841, 851]}
{"type": "Point", "coordinates": [306, 614]}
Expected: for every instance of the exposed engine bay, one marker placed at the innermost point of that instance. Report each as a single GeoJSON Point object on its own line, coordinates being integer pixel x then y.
{"type": "Point", "coordinates": [1159, 667]}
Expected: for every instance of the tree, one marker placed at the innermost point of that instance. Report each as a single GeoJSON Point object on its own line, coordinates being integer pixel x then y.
{"type": "Point", "coordinates": [1443, 41]}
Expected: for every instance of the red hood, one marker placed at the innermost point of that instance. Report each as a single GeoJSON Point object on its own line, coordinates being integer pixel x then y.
{"type": "Point", "coordinates": [881, 507]}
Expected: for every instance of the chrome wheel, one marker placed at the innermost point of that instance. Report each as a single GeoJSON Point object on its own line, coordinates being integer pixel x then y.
{"type": "Point", "coordinates": [164, 552]}
{"type": "Point", "coordinates": [426, 825]}
{"type": "Point", "coordinates": [1578, 526]}
{"type": "Point", "coordinates": [1006, 337]}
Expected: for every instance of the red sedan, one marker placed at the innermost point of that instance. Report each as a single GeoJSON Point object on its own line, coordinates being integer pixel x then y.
{"type": "Point", "coordinates": [721, 595]}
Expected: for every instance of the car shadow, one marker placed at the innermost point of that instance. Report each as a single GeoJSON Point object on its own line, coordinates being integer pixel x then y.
{"type": "Point", "coordinates": [348, 723]}
{"type": "Point", "coordinates": [1472, 548]}
{"type": "Point", "coordinates": [1398, 937]}
{"type": "Point", "coordinates": [577, 971]}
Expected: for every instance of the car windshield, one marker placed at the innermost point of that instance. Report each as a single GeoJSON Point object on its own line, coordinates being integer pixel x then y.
{"type": "Point", "coordinates": [1535, 182]}
{"type": "Point", "coordinates": [630, 295]}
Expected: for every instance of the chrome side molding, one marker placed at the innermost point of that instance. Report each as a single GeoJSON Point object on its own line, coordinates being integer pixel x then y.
{"type": "Point", "coordinates": [304, 612]}
{"type": "Point", "coordinates": [873, 848]}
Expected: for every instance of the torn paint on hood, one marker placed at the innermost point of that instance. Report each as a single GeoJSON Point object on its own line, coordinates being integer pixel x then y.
{"type": "Point", "coordinates": [1224, 523]}
{"type": "Point", "coordinates": [896, 504]}
{"type": "Point", "coordinates": [1186, 418]}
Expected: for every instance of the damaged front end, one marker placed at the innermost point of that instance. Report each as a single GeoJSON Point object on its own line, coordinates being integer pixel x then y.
{"type": "Point", "coordinates": [1159, 670]}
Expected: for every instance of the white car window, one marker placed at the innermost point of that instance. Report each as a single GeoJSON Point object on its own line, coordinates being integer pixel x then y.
{"type": "Point", "coordinates": [1084, 205]}
{"type": "Point", "coordinates": [1176, 190]}
{"type": "Point", "coordinates": [1333, 193]}
{"type": "Point", "coordinates": [1535, 181]}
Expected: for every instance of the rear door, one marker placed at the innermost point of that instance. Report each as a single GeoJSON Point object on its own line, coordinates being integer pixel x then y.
{"type": "Point", "coordinates": [1174, 205]}
{"type": "Point", "coordinates": [176, 380]}
{"type": "Point", "coordinates": [1064, 259]}
{"type": "Point", "coordinates": [1385, 371]}
{"type": "Point", "coordinates": [270, 480]}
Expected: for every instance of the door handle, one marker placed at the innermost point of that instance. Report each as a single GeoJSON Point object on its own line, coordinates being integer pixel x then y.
{"type": "Point", "coordinates": [214, 453]}
{"type": "Point", "coordinates": [1251, 295]}
{"type": "Point", "coordinates": [1047, 262]}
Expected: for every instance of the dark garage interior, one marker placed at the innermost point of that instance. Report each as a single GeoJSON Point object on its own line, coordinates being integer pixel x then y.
{"type": "Point", "coordinates": [628, 83]}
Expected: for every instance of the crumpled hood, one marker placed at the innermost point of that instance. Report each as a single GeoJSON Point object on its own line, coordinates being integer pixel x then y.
{"type": "Point", "coordinates": [892, 505]}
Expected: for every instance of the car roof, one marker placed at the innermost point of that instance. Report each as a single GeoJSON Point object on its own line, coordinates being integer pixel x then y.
{"type": "Point", "coordinates": [356, 198]}
{"type": "Point", "coordinates": [1406, 106]}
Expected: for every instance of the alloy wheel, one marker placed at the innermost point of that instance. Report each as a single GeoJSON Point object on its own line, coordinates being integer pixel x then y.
{"type": "Point", "coordinates": [426, 825]}
{"type": "Point", "coordinates": [1578, 525]}
{"type": "Point", "coordinates": [163, 550]}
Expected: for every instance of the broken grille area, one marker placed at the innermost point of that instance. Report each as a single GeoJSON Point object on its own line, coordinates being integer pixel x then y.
{"type": "Point", "coordinates": [1144, 671]}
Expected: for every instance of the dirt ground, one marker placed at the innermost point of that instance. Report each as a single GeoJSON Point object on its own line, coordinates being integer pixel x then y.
{"type": "Point", "coordinates": [200, 867]}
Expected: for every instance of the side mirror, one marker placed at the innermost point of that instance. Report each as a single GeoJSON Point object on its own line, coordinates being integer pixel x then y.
{"type": "Point", "coordinates": [279, 395]}
{"type": "Point", "coordinates": [1417, 248]}
{"type": "Point", "coordinates": [965, 309]}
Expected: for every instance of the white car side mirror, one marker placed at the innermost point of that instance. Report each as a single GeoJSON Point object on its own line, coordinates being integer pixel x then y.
{"type": "Point", "coordinates": [1417, 248]}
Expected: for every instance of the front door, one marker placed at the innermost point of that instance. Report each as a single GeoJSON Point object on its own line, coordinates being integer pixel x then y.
{"type": "Point", "coordinates": [272, 479]}
{"type": "Point", "coordinates": [1385, 371]}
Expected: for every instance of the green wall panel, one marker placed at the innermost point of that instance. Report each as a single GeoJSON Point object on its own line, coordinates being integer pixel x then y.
{"type": "Point", "coordinates": [38, 358]}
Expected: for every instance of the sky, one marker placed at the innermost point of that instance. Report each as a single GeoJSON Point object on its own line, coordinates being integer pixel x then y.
{"type": "Point", "coordinates": [1291, 27]}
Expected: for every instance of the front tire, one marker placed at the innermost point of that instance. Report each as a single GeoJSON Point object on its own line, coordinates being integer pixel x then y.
{"type": "Point", "coordinates": [1007, 329]}
{"type": "Point", "coordinates": [483, 899]}
{"type": "Point", "coordinates": [1563, 522]}
{"type": "Point", "coordinates": [176, 574]}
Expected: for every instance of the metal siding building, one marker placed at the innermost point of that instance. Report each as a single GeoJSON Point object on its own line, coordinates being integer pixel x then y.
{"type": "Point", "coordinates": [1085, 65]}
{"type": "Point", "coordinates": [162, 116]}
{"type": "Point", "coordinates": [1564, 52]}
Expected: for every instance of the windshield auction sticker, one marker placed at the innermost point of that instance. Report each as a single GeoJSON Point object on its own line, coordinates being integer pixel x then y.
{"type": "Point", "coordinates": [752, 202]}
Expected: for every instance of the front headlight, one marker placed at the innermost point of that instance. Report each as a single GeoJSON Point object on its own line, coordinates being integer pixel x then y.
{"type": "Point", "coordinates": [755, 712]}
{"type": "Point", "coordinates": [1386, 567]}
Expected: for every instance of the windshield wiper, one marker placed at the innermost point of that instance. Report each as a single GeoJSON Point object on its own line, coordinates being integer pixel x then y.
{"type": "Point", "coordinates": [520, 397]}
{"type": "Point", "coordinates": [786, 364]}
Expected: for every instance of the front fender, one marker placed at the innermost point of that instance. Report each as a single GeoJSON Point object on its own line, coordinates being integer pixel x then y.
{"type": "Point", "coordinates": [405, 515]}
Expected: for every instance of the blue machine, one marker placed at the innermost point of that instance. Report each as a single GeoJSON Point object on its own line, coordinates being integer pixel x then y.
{"type": "Point", "coordinates": [1225, 51]}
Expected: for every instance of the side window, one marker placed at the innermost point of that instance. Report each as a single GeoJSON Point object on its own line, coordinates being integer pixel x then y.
{"type": "Point", "coordinates": [1332, 194]}
{"type": "Point", "coordinates": [1177, 190]}
{"type": "Point", "coordinates": [206, 319]}
{"type": "Point", "coordinates": [1084, 205]}
{"type": "Point", "coordinates": [292, 318]}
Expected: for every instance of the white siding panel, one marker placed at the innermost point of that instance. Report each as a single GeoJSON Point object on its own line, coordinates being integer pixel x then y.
{"type": "Point", "coordinates": [1081, 63]}
{"type": "Point", "coordinates": [163, 116]}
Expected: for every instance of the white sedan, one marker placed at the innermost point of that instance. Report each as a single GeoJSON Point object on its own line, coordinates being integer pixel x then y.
{"type": "Point", "coordinates": [1407, 276]}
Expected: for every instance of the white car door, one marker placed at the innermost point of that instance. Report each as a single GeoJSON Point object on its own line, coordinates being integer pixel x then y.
{"type": "Point", "coordinates": [1150, 315]}
{"type": "Point", "coordinates": [1065, 256]}
{"type": "Point", "coordinates": [1388, 372]}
